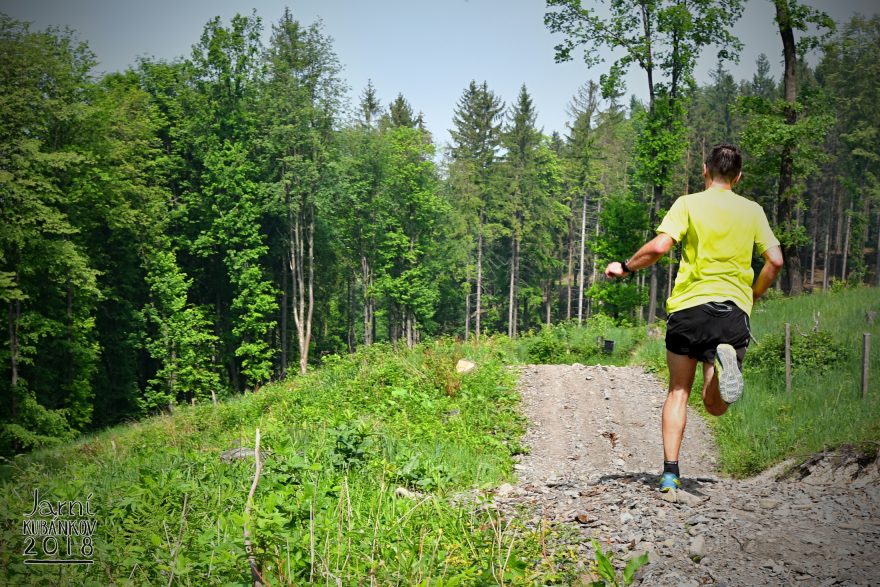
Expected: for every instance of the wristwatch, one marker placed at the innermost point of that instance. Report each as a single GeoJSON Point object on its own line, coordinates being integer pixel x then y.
{"type": "Point", "coordinates": [625, 268]}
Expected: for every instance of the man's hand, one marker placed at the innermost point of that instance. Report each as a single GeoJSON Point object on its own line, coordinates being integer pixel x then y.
{"type": "Point", "coordinates": [615, 269]}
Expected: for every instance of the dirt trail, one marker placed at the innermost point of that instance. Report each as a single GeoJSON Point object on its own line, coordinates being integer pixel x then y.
{"type": "Point", "coordinates": [593, 466]}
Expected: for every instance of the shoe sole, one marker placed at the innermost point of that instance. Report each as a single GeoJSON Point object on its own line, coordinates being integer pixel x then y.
{"type": "Point", "coordinates": [730, 380]}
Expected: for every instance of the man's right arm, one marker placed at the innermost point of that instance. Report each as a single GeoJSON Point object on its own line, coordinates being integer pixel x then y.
{"type": "Point", "coordinates": [772, 266]}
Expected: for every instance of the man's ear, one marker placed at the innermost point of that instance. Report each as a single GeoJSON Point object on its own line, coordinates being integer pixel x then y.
{"type": "Point", "coordinates": [705, 170]}
{"type": "Point", "coordinates": [738, 177]}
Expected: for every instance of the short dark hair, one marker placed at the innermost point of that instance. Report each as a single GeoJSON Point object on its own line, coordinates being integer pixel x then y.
{"type": "Point", "coordinates": [724, 162]}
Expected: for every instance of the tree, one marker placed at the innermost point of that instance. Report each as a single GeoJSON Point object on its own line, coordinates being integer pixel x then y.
{"type": "Point", "coordinates": [300, 101]}
{"type": "Point", "coordinates": [847, 71]}
{"type": "Point", "coordinates": [664, 38]}
{"type": "Point", "coordinates": [783, 130]}
{"type": "Point", "coordinates": [520, 140]}
{"type": "Point", "coordinates": [476, 139]}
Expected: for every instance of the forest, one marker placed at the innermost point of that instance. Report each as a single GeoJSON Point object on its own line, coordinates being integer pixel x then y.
{"type": "Point", "coordinates": [184, 231]}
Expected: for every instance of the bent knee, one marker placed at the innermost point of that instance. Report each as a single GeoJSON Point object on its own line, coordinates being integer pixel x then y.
{"type": "Point", "coordinates": [716, 408]}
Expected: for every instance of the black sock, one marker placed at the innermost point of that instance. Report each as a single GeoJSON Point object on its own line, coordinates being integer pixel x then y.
{"type": "Point", "coordinates": [671, 467]}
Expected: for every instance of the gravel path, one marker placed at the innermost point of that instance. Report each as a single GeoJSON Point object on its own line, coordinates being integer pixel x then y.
{"type": "Point", "coordinates": [595, 455]}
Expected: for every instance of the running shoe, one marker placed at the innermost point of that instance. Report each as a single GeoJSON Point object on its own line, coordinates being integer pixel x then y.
{"type": "Point", "coordinates": [730, 380]}
{"type": "Point", "coordinates": [669, 481]}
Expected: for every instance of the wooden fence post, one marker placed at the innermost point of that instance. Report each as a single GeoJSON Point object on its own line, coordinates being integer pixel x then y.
{"type": "Point", "coordinates": [866, 362]}
{"type": "Point", "coordinates": [788, 357]}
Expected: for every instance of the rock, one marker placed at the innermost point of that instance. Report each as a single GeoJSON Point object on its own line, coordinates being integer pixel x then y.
{"type": "Point", "coordinates": [504, 490]}
{"type": "Point", "coordinates": [605, 394]}
{"type": "Point", "coordinates": [768, 504]}
{"type": "Point", "coordinates": [406, 493]}
{"type": "Point", "coordinates": [577, 365]}
{"type": "Point", "coordinates": [626, 518]}
{"type": "Point", "coordinates": [582, 518]}
{"type": "Point", "coordinates": [520, 467]}
{"type": "Point", "coordinates": [239, 454]}
{"type": "Point", "coordinates": [697, 548]}
{"type": "Point", "coordinates": [465, 366]}
{"type": "Point", "coordinates": [689, 498]}
{"type": "Point", "coordinates": [619, 462]}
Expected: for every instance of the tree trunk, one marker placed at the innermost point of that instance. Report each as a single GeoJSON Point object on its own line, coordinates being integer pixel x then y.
{"type": "Point", "coordinates": [826, 265]}
{"type": "Point", "coordinates": [570, 274]}
{"type": "Point", "coordinates": [512, 297]}
{"type": "Point", "coordinates": [792, 280]}
{"type": "Point", "coordinates": [479, 277]}
{"type": "Point", "coordinates": [367, 277]}
{"type": "Point", "coordinates": [846, 246]}
{"type": "Point", "coordinates": [352, 310]}
{"type": "Point", "coordinates": [581, 268]}
{"type": "Point", "coordinates": [593, 268]}
{"type": "Point", "coordinates": [303, 294]}
{"type": "Point", "coordinates": [813, 255]}
{"type": "Point", "coordinates": [548, 293]}
{"type": "Point", "coordinates": [877, 252]}
{"type": "Point", "coordinates": [652, 289]}
{"type": "Point", "coordinates": [467, 310]}
{"type": "Point", "coordinates": [283, 367]}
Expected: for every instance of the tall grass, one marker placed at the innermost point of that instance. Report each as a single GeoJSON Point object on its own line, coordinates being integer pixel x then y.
{"type": "Point", "coordinates": [339, 443]}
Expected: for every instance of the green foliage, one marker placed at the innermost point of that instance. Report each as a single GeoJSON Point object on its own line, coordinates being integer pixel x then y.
{"type": "Point", "coordinates": [603, 566]}
{"type": "Point", "coordinates": [337, 443]}
{"type": "Point", "coordinates": [568, 343]}
{"type": "Point", "coordinates": [813, 351]}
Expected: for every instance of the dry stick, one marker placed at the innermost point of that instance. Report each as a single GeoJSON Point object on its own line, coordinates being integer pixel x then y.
{"type": "Point", "coordinates": [866, 356]}
{"type": "Point", "coordinates": [179, 536]}
{"type": "Point", "coordinates": [255, 572]}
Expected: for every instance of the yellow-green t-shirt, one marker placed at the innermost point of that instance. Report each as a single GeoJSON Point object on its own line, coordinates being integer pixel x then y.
{"type": "Point", "coordinates": [718, 230]}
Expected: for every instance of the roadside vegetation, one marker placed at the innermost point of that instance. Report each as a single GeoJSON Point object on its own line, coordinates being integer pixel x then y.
{"type": "Point", "coordinates": [380, 464]}
{"type": "Point", "coordinates": [362, 458]}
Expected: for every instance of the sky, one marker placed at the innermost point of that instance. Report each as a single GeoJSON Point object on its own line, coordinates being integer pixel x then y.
{"type": "Point", "coordinates": [428, 50]}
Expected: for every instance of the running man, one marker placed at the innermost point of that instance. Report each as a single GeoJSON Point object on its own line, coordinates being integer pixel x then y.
{"type": "Point", "coordinates": [713, 296]}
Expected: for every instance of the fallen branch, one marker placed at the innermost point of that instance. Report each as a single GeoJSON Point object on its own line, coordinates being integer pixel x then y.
{"type": "Point", "coordinates": [255, 572]}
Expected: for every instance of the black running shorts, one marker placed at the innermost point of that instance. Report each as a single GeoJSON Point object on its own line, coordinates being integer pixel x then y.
{"type": "Point", "coordinates": [697, 331]}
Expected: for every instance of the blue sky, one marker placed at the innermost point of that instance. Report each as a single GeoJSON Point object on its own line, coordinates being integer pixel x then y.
{"type": "Point", "coordinates": [427, 50]}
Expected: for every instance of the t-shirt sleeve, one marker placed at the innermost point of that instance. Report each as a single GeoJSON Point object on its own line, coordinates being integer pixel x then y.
{"type": "Point", "coordinates": [675, 223]}
{"type": "Point", "coordinates": [764, 237]}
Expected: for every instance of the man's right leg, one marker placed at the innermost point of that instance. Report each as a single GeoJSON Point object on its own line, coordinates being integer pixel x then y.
{"type": "Point", "coordinates": [681, 378]}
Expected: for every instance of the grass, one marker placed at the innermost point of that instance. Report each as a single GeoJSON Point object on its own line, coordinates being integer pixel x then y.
{"type": "Point", "coordinates": [339, 443]}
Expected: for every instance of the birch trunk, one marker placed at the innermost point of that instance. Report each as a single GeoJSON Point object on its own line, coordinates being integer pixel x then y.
{"type": "Point", "coordinates": [302, 253]}
{"type": "Point", "coordinates": [512, 301]}
{"type": "Point", "coordinates": [581, 268]}
{"type": "Point", "coordinates": [479, 277]}
{"type": "Point", "coordinates": [367, 277]}
{"type": "Point", "coordinates": [846, 246]}
{"type": "Point", "coordinates": [283, 367]}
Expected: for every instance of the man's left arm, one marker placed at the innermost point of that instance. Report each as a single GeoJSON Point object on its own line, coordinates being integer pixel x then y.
{"type": "Point", "coordinates": [651, 252]}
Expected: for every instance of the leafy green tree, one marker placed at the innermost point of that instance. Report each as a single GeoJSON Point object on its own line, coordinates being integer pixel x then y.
{"type": "Point", "coordinates": [300, 101]}
{"type": "Point", "coordinates": [520, 140]}
{"type": "Point", "coordinates": [476, 139]}
{"type": "Point", "coordinates": [664, 39]}
{"type": "Point", "coordinates": [847, 71]}
{"type": "Point", "coordinates": [178, 336]}
{"type": "Point", "coordinates": [788, 132]}
{"type": "Point", "coordinates": [48, 283]}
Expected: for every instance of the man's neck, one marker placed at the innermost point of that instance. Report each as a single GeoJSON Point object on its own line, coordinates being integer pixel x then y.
{"type": "Point", "coordinates": [718, 184]}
